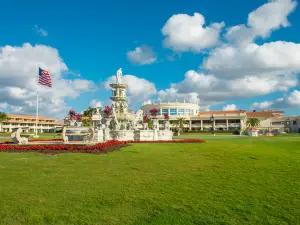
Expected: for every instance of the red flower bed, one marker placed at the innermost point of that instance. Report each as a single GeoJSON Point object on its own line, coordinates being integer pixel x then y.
{"type": "Point", "coordinates": [170, 141]}
{"type": "Point", "coordinates": [61, 148]}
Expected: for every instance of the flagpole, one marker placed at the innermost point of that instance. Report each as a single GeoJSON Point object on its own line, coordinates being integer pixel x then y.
{"type": "Point", "coordinates": [37, 107]}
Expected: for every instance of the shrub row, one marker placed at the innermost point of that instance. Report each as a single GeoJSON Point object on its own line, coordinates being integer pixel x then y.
{"type": "Point", "coordinates": [61, 148]}
{"type": "Point", "coordinates": [105, 147]}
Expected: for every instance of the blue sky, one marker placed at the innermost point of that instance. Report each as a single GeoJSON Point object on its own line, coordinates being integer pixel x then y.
{"type": "Point", "coordinates": [93, 39]}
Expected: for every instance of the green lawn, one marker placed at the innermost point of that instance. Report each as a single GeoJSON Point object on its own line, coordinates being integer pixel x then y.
{"type": "Point", "coordinates": [223, 181]}
{"type": "Point", "coordinates": [42, 136]}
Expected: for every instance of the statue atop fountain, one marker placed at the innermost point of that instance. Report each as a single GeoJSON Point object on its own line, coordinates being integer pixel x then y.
{"type": "Point", "coordinates": [117, 123]}
{"type": "Point", "coordinates": [119, 76]}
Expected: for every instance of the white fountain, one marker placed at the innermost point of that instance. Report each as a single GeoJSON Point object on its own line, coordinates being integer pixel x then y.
{"type": "Point", "coordinates": [120, 124]}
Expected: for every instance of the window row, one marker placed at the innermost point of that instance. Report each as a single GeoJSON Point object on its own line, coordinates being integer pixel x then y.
{"type": "Point", "coordinates": [174, 111]}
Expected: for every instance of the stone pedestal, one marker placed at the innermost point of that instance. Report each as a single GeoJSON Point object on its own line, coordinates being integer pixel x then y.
{"type": "Point", "coordinates": [143, 135]}
{"type": "Point", "coordinates": [106, 134]}
{"type": "Point", "coordinates": [165, 135]}
{"type": "Point", "coordinates": [98, 137]}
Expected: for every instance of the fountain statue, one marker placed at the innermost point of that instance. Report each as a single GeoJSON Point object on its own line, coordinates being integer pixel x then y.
{"type": "Point", "coordinates": [117, 123]}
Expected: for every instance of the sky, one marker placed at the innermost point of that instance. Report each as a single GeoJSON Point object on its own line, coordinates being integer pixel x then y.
{"type": "Point", "coordinates": [225, 55]}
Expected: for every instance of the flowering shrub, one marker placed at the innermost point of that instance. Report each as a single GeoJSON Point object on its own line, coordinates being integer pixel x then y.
{"type": "Point", "coordinates": [170, 141]}
{"type": "Point", "coordinates": [72, 114]}
{"type": "Point", "coordinates": [61, 148]}
{"type": "Point", "coordinates": [166, 116]}
{"type": "Point", "coordinates": [145, 118]}
{"type": "Point", "coordinates": [78, 117]}
{"type": "Point", "coordinates": [107, 111]}
{"type": "Point", "coordinates": [154, 112]}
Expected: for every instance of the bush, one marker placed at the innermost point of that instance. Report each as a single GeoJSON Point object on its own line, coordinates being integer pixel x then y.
{"type": "Point", "coordinates": [105, 147]}
{"type": "Point", "coordinates": [61, 148]}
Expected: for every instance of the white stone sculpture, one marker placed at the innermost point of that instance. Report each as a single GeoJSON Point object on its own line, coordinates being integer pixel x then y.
{"type": "Point", "coordinates": [137, 118]}
{"type": "Point", "coordinates": [115, 117]}
{"type": "Point", "coordinates": [119, 76]}
{"type": "Point", "coordinates": [16, 137]}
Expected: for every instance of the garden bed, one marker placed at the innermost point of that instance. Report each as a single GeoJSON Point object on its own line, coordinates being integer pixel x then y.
{"type": "Point", "coordinates": [62, 148]}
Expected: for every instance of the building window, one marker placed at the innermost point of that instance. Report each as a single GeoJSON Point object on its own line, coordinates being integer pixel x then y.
{"type": "Point", "coordinates": [187, 111]}
{"type": "Point", "coordinates": [294, 122]}
{"type": "Point", "coordinates": [173, 112]}
{"type": "Point", "coordinates": [180, 112]}
{"type": "Point", "coordinates": [158, 113]}
{"type": "Point", "coordinates": [165, 111]}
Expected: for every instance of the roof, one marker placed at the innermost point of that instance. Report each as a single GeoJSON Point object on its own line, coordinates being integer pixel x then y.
{"type": "Point", "coordinates": [260, 114]}
{"type": "Point", "coordinates": [221, 112]}
{"type": "Point", "coordinates": [14, 116]}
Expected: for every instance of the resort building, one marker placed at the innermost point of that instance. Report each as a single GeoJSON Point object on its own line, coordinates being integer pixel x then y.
{"type": "Point", "coordinates": [28, 123]}
{"type": "Point", "coordinates": [233, 120]}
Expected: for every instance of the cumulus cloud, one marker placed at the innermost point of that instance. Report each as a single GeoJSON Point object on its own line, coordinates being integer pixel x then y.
{"type": "Point", "coordinates": [142, 55]}
{"type": "Point", "coordinates": [188, 33]}
{"type": "Point", "coordinates": [291, 100]}
{"type": "Point", "coordinates": [18, 80]}
{"type": "Point", "coordinates": [139, 89]}
{"type": "Point", "coordinates": [40, 31]}
{"type": "Point", "coordinates": [262, 105]}
{"type": "Point", "coordinates": [277, 56]}
{"type": "Point", "coordinates": [229, 107]}
{"type": "Point", "coordinates": [173, 95]}
{"type": "Point", "coordinates": [240, 68]}
{"type": "Point", "coordinates": [262, 21]}
{"type": "Point", "coordinates": [95, 103]}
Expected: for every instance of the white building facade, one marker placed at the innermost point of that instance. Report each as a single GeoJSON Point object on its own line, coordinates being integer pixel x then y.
{"type": "Point", "coordinates": [195, 120]}
{"type": "Point", "coordinates": [231, 120]}
{"type": "Point", "coordinates": [28, 124]}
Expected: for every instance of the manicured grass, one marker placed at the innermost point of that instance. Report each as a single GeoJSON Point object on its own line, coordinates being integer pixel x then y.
{"type": "Point", "coordinates": [223, 181]}
{"type": "Point", "coordinates": [42, 136]}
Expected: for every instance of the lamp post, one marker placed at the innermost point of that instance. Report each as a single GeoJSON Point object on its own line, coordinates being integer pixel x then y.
{"type": "Point", "coordinates": [212, 119]}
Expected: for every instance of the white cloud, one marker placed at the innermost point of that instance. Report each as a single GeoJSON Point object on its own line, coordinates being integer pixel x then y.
{"type": "Point", "coordinates": [173, 95]}
{"type": "Point", "coordinates": [291, 100]}
{"type": "Point", "coordinates": [139, 89]}
{"type": "Point", "coordinates": [18, 81]}
{"type": "Point", "coordinates": [40, 31]}
{"type": "Point", "coordinates": [261, 22]}
{"type": "Point", "coordinates": [142, 55]}
{"type": "Point", "coordinates": [194, 82]}
{"type": "Point", "coordinates": [229, 107]}
{"type": "Point", "coordinates": [262, 105]}
{"type": "Point", "coordinates": [278, 56]}
{"type": "Point", "coordinates": [294, 99]}
{"type": "Point", "coordinates": [95, 103]}
{"type": "Point", "coordinates": [187, 33]}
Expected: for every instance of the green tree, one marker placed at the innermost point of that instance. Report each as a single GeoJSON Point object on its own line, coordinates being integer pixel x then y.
{"type": "Point", "coordinates": [180, 123]}
{"type": "Point", "coordinates": [3, 118]}
{"type": "Point", "coordinates": [150, 123]}
{"type": "Point", "coordinates": [86, 123]}
{"type": "Point", "coordinates": [89, 111]}
{"type": "Point", "coordinates": [252, 122]}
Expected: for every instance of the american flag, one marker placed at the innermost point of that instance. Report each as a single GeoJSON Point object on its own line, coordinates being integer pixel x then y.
{"type": "Point", "coordinates": [44, 78]}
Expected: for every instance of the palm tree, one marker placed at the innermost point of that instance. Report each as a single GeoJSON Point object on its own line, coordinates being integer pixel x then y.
{"type": "Point", "coordinates": [180, 123]}
{"type": "Point", "coordinates": [252, 122]}
{"type": "Point", "coordinates": [3, 118]}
